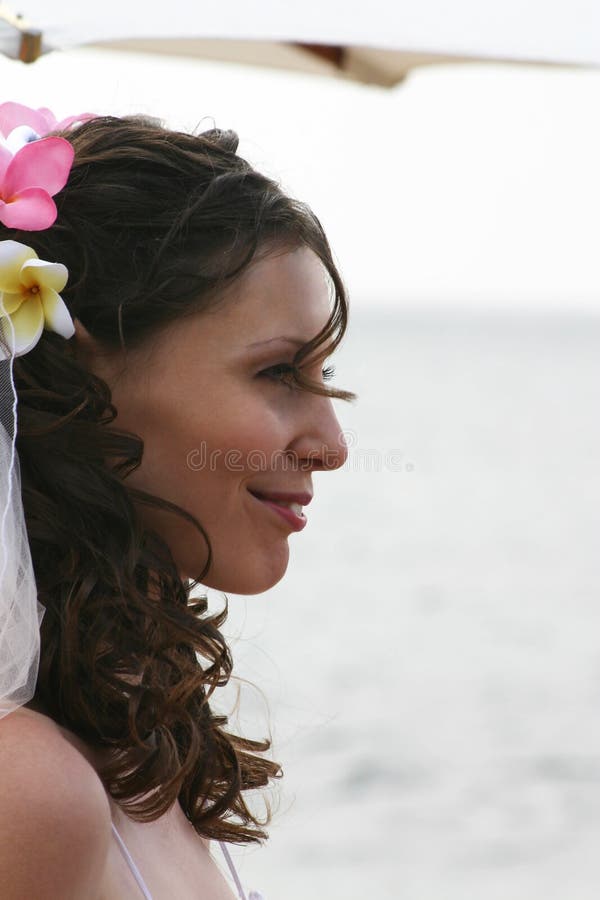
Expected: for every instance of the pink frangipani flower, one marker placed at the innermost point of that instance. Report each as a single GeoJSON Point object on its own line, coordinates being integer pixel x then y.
{"type": "Point", "coordinates": [32, 167]}
{"type": "Point", "coordinates": [29, 180]}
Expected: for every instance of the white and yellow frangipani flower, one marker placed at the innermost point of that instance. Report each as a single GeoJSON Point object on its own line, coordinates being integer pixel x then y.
{"type": "Point", "coordinates": [29, 298]}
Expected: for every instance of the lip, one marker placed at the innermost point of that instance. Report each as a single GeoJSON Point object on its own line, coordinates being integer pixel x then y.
{"type": "Point", "coordinates": [303, 498]}
{"type": "Point", "coordinates": [297, 523]}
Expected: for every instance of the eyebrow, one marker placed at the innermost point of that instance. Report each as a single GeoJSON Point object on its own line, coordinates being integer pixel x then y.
{"type": "Point", "coordinates": [298, 342]}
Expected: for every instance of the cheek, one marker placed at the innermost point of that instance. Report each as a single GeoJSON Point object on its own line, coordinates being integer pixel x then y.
{"type": "Point", "coordinates": [209, 437]}
{"type": "Point", "coordinates": [168, 431]}
{"type": "Point", "coordinates": [252, 421]}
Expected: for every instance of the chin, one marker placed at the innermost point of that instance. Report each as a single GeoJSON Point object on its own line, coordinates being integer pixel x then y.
{"type": "Point", "coordinates": [257, 575]}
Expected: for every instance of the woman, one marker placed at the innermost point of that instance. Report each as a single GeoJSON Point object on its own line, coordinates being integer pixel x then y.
{"type": "Point", "coordinates": [169, 441]}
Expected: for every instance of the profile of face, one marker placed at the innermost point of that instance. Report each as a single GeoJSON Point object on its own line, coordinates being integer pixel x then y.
{"type": "Point", "coordinates": [219, 424]}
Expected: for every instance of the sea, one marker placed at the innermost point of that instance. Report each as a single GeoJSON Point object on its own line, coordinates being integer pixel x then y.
{"type": "Point", "coordinates": [428, 669]}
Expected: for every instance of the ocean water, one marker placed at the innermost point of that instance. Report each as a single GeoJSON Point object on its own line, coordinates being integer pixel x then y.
{"type": "Point", "coordinates": [429, 667]}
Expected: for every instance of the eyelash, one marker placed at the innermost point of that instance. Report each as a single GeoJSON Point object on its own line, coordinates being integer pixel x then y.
{"type": "Point", "coordinates": [326, 374]}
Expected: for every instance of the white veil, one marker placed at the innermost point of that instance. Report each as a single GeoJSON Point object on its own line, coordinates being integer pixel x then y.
{"type": "Point", "coordinates": [20, 611]}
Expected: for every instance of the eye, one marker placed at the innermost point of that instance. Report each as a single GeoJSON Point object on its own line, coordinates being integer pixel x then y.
{"type": "Point", "coordinates": [285, 372]}
{"type": "Point", "coordinates": [276, 372]}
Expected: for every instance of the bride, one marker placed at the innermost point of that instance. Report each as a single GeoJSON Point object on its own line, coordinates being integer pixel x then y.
{"type": "Point", "coordinates": [166, 313]}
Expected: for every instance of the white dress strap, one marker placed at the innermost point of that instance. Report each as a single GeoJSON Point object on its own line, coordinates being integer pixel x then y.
{"type": "Point", "coordinates": [233, 871]}
{"type": "Point", "coordinates": [253, 895]}
{"type": "Point", "coordinates": [129, 860]}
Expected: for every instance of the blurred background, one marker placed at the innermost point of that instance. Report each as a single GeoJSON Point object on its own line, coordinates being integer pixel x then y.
{"type": "Point", "coordinates": [429, 667]}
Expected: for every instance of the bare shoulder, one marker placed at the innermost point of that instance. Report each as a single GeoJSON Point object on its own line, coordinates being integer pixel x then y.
{"type": "Point", "coordinates": [54, 815]}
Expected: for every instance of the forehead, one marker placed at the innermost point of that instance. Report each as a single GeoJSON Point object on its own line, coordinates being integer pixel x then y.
{"type": "Point", "coordinates": [289, 291]}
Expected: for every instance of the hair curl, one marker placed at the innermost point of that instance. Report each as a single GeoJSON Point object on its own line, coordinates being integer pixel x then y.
{"type": "Point", "coordinates": [152, 225]}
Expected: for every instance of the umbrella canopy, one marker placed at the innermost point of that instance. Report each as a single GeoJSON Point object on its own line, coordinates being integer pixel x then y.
{"type": "Point", "coordinates": [378, 44]}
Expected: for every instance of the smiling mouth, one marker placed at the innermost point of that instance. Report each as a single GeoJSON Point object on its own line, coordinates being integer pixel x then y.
{"type": "Point", "coordinates": [288, 510]}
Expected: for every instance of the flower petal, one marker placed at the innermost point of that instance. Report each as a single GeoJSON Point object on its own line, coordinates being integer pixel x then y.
{"type": "Point", "coordinates": [70, 120]}
{"type": "Point", "coordinates": [6, 157]}
{"type": "Point", "coordinates": [44, 164]}
{"type": "Point", "coordinates": [32, 210]}
{"type": "Point", "coordinates": [13, 255]}
{"type": "Point", "coordinates": [10, 302]}
{"type": "Point", "coordinates": [56, 315]}
{"type": "Point", "coordinates": [14, 114]}
{"type": "Point", "coordinates": [48, 117]}
{"type": "Point", "coordinates": [28, 324]}
{"type": "Point", "coordinates": [46, 274]}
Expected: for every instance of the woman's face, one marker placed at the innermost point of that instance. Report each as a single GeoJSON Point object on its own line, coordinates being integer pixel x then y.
{"type": "Point", "coordinates": [217, 425]}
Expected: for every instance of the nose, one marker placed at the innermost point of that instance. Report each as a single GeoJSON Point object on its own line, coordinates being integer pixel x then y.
{"type": "Point", "coordinates": [320, 444]}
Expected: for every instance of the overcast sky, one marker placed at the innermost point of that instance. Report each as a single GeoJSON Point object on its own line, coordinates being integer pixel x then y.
{"type": "Point", "coordinates": [471, 186]}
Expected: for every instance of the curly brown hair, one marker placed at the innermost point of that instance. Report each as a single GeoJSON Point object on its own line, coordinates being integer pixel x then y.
{"type": "Point", "coordinates": [152, 225]}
